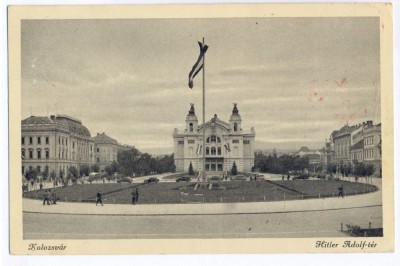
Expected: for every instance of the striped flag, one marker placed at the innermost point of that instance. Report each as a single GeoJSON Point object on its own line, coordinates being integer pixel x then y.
{"type": "Point", "coordinates": [227, 147]}
{"type": "Point", "coordinates": [198, 65]}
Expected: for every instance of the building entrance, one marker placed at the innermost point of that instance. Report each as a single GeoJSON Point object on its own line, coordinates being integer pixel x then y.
{"type": "Point", "coordinates": [214, 164]}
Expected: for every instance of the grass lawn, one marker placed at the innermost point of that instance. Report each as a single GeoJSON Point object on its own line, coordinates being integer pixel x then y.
{"type": "Point", "coordinates": [228, 191]}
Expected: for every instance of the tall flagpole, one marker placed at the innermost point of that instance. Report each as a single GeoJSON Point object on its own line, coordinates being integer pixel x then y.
{"type": "Point", "coordinates": [204, 114]}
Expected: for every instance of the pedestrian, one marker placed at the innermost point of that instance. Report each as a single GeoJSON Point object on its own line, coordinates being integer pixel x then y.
{"type": "Point", "coordinates": [98, 198]}
{"type": "Point", "coordinates": [283, 177]}
{"type": "Point", "coordinates": [288, 177]}
{"type": "Point", "coordinates": [40, 186]}
{"type": "Point", "coordinates": [136, 195]}
{"type": "Point", "coordinates": [340, 191]}
{"type": "Point", "coordinates": [133, 196]}
{"type": "Point", "coordinates": [46, 197]}
{"type": "Point", "coordinates": [54, 196]}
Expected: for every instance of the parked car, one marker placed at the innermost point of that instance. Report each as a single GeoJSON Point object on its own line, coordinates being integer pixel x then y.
{"type": "Point", "coordinates": [238, 178]}
{"type": "Point", "coordinates": [214, 179]}
{"type": "Point", "coordinates": [260, 178]}
{"type": "Point", "coordinates": [183, 178]}
{"type": "Point", "coordinates": [151, 180]}
{"type": "Point", "coordinates": [124, 180]}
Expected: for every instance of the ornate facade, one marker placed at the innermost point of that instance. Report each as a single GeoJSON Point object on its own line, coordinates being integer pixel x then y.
{"type": "Point", "coordinates": [226, 143]}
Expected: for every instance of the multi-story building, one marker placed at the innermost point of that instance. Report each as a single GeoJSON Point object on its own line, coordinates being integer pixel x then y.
{"type": "Point", "coordinates": [106, 150]}
{"type": "Point", "coordinates": [342, 141]}
{"type": "Point", "coordinates": [54, 144]}
{"type": "Point", "coordinates": [367, 147]}
{"type": "Point", "coordinates": [225, 143]}
{"type": "Point", "coordinates": [361, 142]}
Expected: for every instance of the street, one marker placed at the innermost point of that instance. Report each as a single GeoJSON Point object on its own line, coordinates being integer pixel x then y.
{"type": "Point", "coordinates": [289, 224]}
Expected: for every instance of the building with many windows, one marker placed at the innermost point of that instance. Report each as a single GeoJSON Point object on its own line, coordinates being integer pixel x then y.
{"type": "Point", "coordinates": [225, 143]}
{"type": "Point", "coordinates": [106, 150]}
{"type": "Point", "coordinates": [54, 144]}
{"type": "Point", "coordinates": [361, 143]}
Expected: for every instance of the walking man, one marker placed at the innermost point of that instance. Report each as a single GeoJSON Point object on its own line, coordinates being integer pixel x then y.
{"type": "Point", "coordinates": [98, 198]}
{"type": "Point", "coordinates": [136, 195]}
{"type": "Point", "coordinates": [46, 196]}
{"type": "Point", "coordinates": [133, 196]}
{"type": "Point", "coordinates": [54, 196]}
{"type": "Point", "coordinates": [340, 191]}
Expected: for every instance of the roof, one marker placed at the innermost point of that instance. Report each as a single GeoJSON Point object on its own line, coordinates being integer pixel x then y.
{"type": "Point", "coordinates": [37, 120]}
{"type": "Point", "coordinates": [358, 145]}
{"type": "Point", "coordinates": [103, 138]}
{"type": "Point", "coordinates": [74, 126]}
{"type": "Point", "coordinates": [346, 130]}
{"type": "Point", "coordinates": [71, 124]}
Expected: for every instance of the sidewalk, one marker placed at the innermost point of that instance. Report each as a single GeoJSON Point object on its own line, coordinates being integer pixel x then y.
{"type": "Point", "coordinates": [357, 201]}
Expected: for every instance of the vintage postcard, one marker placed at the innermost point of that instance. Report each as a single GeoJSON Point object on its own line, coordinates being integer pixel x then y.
{"type": "Point", "coordinates": [192, 129]}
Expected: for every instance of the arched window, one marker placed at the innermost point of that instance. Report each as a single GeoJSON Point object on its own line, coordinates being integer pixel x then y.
{"type": "Point", "coordinates": [191, 127]}
{"type": "Point", "coordinates": [235, 126]}
{"type": "Point", "coordinates": [213, 139]}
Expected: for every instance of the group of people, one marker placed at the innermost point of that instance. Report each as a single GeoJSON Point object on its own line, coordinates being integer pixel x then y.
{"type": "Point", "coordinates": [50, 197]}
{"type": "Point", "coordinates": [134, 196]}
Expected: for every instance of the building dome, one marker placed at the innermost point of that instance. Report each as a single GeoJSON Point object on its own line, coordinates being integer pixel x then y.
{"type": "Point", "coordinates": [304, 149]}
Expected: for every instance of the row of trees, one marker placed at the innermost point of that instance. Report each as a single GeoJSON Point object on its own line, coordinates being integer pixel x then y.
{"type": "Point", "coordinates": [135, 162]}
{"type": "Point", "coordinates": [279, 165]}
{"type": "Point", "coordinates": [356, 169]}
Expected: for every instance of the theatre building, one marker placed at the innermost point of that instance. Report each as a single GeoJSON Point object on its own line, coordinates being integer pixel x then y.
{"type": "Point", "coordinates": [226, 143]}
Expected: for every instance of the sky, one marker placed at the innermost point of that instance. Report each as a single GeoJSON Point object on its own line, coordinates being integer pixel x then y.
{"type": "Point", "coordinates": [295, 80]}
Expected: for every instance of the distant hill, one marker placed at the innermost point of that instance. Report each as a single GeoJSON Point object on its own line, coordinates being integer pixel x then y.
{"type": "Point", "coordinates": [284, 147]}
{"type": "Point", "coordinates": [159, 151]}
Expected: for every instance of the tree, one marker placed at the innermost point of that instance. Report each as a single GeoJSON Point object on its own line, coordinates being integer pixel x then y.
{"type": "Point", "coordinates": [234, 169]}
{"type": "Point", "coordinates": [84, 170]}
{"type": "Point", "coordinates": [369, 170]}
{"type": "Point", "coordinates": [31, 175]}
{"type": "Point", "coordinates": [73, 171]}
{"type": "Point", "coordinates": [45, 173]}
{"type": "Point", "coordinates": [191, 172]}
{"type": "Point", "coordinates": [53, 175]}
{"type": "Point", "coordinates": [127, 161]}
{"type": "Point", "coordinates": [331, 168]}
{"type": "Point", "coordinates": [95, 168]}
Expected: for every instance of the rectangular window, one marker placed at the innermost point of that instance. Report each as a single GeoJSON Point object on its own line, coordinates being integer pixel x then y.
{"type": "Point", "coordinates": [39, 140]}
{"type": "Point", "coordinates": [47, 154]}
{"type": "Point", "coordinates": [30, 140]}
{"type": "Point", "coordinates": [98, 149]}
{"type": "Point", "coordinates": [30, 154]}
{"type": "Point", "coordinates": [180, 141]}
{"type": "Point", "coordinates": [23, 154]}
{"type": "Point", "coordinates": [246, 141]}
{"type": "Point", "coordinates": [47, 140]}
{"type": "Point", "coordinates": [62, 141]}
{"type": "Point", "coordinates": [23, 169]}
{"type": "Point", "coordinates": [59, 141]}
{"type": "Point", "coordinates": [98, 159]}
{"type": "Point", "coordinates": [190, 141]}
{"type": "Point", "coordinates": [39, 154]}
{"type": "Point", "coordinates": [235, 141]}
{"type": "Point", "coordinates": [66, 141]}
{"type": "Point", "coordinates": [23, 140]}
{"type": "Point", "coordinates": [219, 150]}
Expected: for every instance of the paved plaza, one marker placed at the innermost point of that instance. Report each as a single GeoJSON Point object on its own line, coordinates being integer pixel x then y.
{"type": "Point", "coordinates": [295, 218]}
